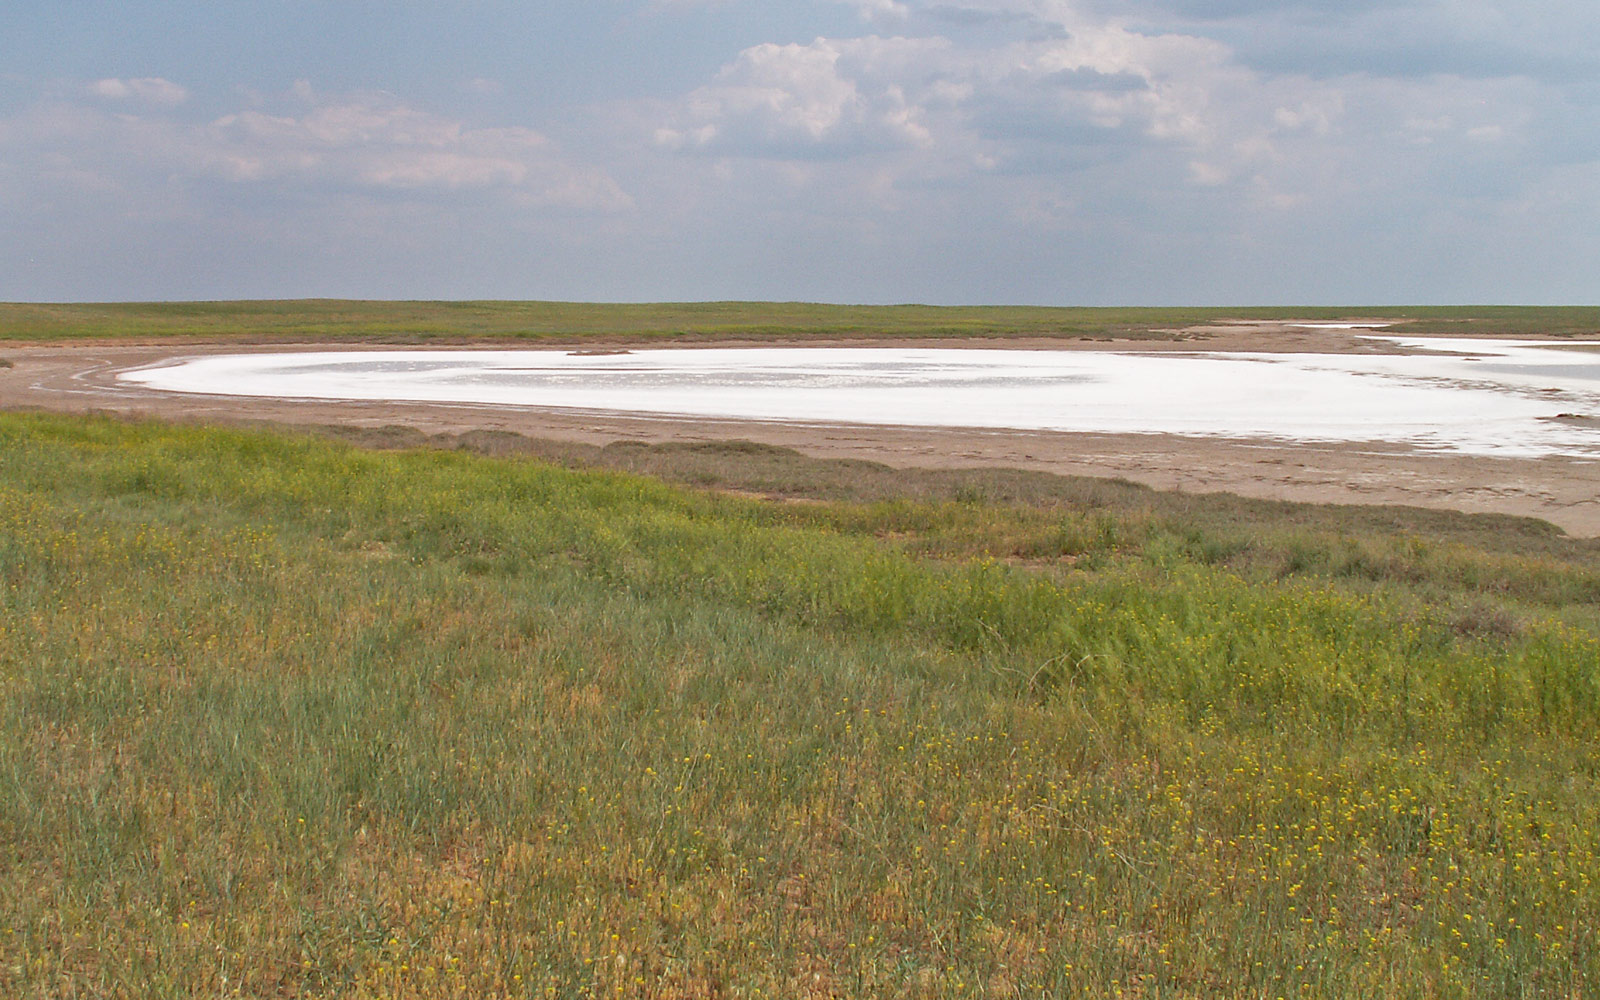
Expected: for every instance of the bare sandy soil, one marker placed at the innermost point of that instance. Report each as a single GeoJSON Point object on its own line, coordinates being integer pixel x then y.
{"type": "Point", "coordinates": [82, 378]}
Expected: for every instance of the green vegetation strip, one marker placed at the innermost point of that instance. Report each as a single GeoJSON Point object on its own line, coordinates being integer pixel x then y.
{"type": "Point", "coordinates": [446, 322]}
{"type": "Point", "coordinates": [289, 718]}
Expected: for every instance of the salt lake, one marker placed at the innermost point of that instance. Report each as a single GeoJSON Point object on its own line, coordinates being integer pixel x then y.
{"type": "Point", "coordinates": [1505, 398]}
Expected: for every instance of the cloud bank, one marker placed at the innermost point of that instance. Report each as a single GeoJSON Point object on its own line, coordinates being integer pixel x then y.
{"type": "Point", "coordinates": [975, 150]}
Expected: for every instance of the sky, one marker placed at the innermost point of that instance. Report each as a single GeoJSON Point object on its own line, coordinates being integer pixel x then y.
{"type": "Point", "coordinates": [1053, 152]}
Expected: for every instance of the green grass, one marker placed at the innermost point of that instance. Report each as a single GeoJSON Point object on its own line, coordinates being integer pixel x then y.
{"type": "Point", "coordinates": [283, 716]}
{"type": "Point", "coordinates": [421, 322]}
{"type": "Point", "coordinates": [1493, 569]}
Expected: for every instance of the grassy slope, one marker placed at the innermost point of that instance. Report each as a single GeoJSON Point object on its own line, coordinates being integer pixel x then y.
{"type": "Point", "coordinates": [447, 321]}
{"type": "Point", "coordinates": [283, 716]}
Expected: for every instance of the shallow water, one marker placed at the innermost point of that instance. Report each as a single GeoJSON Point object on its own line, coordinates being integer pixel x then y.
{"type": "Point", "coordinates": [1489, 397]}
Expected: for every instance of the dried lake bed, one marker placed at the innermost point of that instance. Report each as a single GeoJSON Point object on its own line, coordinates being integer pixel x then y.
{"type": "Point", "coordinates": [1458, 450]}
{"type": "Point", "coordinates": [1497, 398]}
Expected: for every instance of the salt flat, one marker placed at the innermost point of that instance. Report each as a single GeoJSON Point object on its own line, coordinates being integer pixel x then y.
{"type": "Point", "coordinates": [1500, 398]}
{"type": "Point", "coordinates": [1561, 487]}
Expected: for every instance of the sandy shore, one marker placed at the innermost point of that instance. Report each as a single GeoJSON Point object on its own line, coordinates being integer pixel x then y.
{"type": "Point", "coordinates": [1566, 492]}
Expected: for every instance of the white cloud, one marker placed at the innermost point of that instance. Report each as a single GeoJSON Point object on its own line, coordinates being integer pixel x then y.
{"type": "Point", "coordinates": [828, 97]}
{"type": "Point", "coordinates": [375, 141]}
{"type": "Point", "coordinates": [1318, 116]}
{"type": "Point", "coordinates": [879, 10]}
{"type": "Point", "coordinates": [870, 10]}
{"type": "Point", "coordinates": [1035, 124]}
{"type": "Point", "coordinates": [1068, 91]}
{"type": "Point", "coordinates": [148, 90]}
{"type": "Point", "coordinates": [979, 149]}
{"type": "Point", "coordinates": [988, 106]}
{"type": "Point", "coordinates": [365, 141]}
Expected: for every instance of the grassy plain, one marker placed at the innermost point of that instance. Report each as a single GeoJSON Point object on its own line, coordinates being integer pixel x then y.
{"type": "Point", "coordinates": [445, 322]}
{"type": "Point", "coordinates": [281, 716]}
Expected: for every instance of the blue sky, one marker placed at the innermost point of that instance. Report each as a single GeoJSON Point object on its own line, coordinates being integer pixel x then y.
{"type": "Point", "coordinates": [968, 151]}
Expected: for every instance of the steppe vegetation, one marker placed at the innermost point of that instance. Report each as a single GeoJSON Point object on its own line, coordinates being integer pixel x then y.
{"type": "Point", "coordinates": [452, 322]}
{"type": "Point", "coordinates": [284, 716]}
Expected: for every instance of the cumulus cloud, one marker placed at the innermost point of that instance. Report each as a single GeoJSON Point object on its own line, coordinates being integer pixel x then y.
{"type": "Point", "coordinates": [992, 105]}
{"type": "Point", "coordinates": [147, 90]}
{"type": "Point", "coordinates": [1083, 134]}
{"type": "Point", "coordinates": [1050, 87]}
{"type": "Point", "coordinates": [831, 97]}
{"type": "Point", "coordinates": [978, 149]}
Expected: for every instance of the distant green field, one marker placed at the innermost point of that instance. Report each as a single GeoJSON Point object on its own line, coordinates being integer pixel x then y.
{"type": "Point", "coordinates": [284, 717]}
{"type": "Point", "coordinates": [458, 321]}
